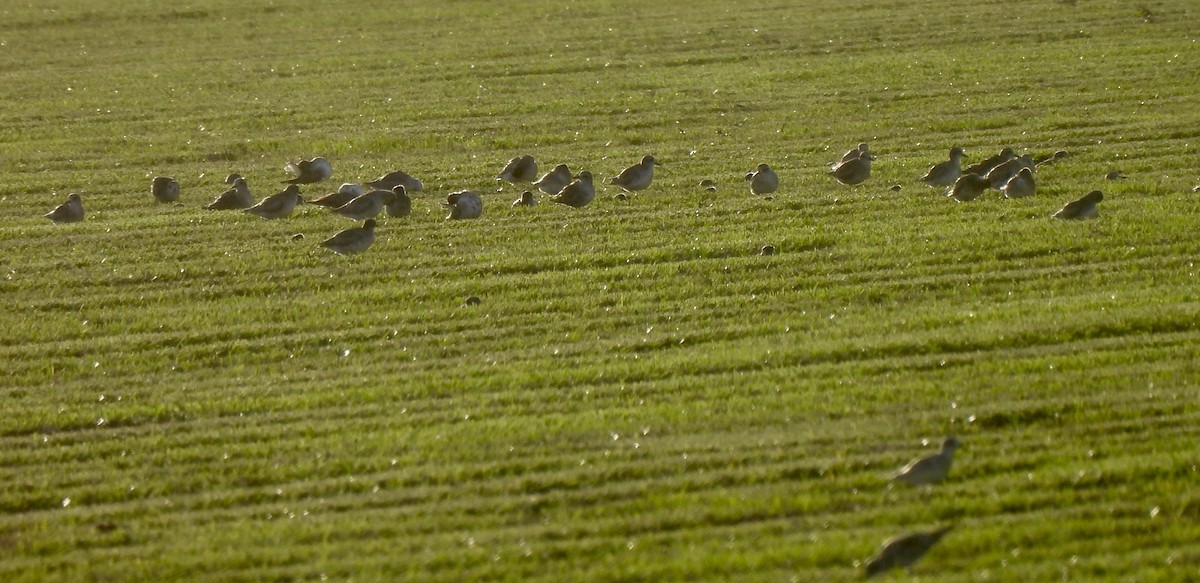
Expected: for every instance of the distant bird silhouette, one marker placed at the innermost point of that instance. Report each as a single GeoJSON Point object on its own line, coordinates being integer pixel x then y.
{"type": "Point", "coordinates": [278, 206]}
{"type": "Point", "coordinates": [554, 180]}
{"type": "Point", "coordinates": [945, 173]}
{"type": "Point", "coordinates": [526, 199]}
{"type": "Point", "coordinates": [353, 240]}
{"type": "Point", "coordinates": [903, 551]}
{"type": "Point", "coordinates": [1019, 186]}
{"type": "Point", "coordinates": [401, 204]}
{"type": "Point", "coordinates": [853, 171]}
{"type": "Point", "coordinates": [763, 180]}
{"type": "Point", "coordinates": [67, 212]}
{"type": "Point", "coordinates": [345, 193]}
{"type": "Point", "coordinates": [397, 178]}
{"type": "Point", "coordinates": [367, 206]}
{"type": "Point", "coordinates": [522, 169]}
{"type": "Point", "coordinates": [930, 469]}
{"type": "Point", "coordinates": [164, 189]}
{"type": "Point", "coordinates": [236, 198]}
{"type": "Point", "coordinates": [636, 177]}
{"type": "Point", "coordinates": [464, 204]}
{"type": "Point", "coordinates": [309, 171]}
{"type": "Point", "coordinates": [982, 168]}
{"type": "Point", "coordinates": [1084, 208]}
{"type": "Point", "coordinates": [578, 193]}
{"type": "Point", "coordinates": [968, 187]}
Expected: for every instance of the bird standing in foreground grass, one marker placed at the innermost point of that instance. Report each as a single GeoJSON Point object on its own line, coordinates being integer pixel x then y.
{"type": "Point", "coordinates": [554, 180]}
{"type": "Point", "coordinates": [945, 173]}
{"type": "Point", "coordinates": [353, 240]}
{"type": "Point", "coordinates": [903, 551]}
{"type": "Point", "coordinates": [853, 171]}
{"type": "Point", "coordinates": [636, 177]}
{"type": "Point", "coordinates": [1021, 185]}
{"type": "Point", "coordinates": [578, 193]}
{"type": "Point", "coordinates": [309, 171]}
{"type": "Point", "coordinates": [278, 206]}
{"type": "Point", "coordinates": [237, 197]}
{"type": "Point", "coordinates": [67, 212]}
{"type": "Point", "coordinates": [366, 206]}
{"type": "Point", "coordinates": [401, 204]}
{"type": "Point", "coordinates": [464, 204]}
{"type": "Point", "coordinates": [522, 169]}
{"type": "Point", "coordinates": [164, 189]}
{"type": "Point", "coordinates": [1084, 208]}
{"type": "Point", "coordinates": [344, 194]}
{"type": "Point", "coordinates": [526, 199]}
{"type": "Point", "coordinates": [929, 469]}
{"type": "Point", "coordinates": [763, 180]}
{"type": "Point", "coordinates": [394, 178]}
{"type": "Point", "coordinates": [968, 187]}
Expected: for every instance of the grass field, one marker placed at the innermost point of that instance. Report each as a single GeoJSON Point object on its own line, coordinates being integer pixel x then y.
{"type": "Point", "coordinates": [640, 396]}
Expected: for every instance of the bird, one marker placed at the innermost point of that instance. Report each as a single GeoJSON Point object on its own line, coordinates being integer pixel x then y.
{"type": "Point", "coordinates": [1059, 155]}
{"type": "Point", "coordinates": [67, 212]}
{"type": "Point", "coordinates": [464, 204]}
{"type": "Point", "coordinates": [519, 169]}
{"type": "Point", "coordinates": [231, 178]}
{"type": "Point", "coordinates": [526, 199]}
{"type": "Point", "coordinates": [1001, 173]}
{"type": "Point", "coordinates": [237, 197]}
{"type": "Point", "coordinates": [1115, 175]}
{"type": "Point", "coordinates": [856, 153]}
{"type": "Point", "coordinates": [397, 177]}
{"type": "Point", "coordinates": [708, 185]}
{"type": "Point", "coordinates": [401, 204]}
{"type": "Point", "coordinates": [279, 205]}
{"type": "Point", "coordinates": [344, 194]}
{"type": "Point", "coordinates": [853, 171]}
{"type": "Point", "coordinates": [982, 168]}
{"type": "Point", "coordinates": [352, 240]}
{"type": "Point", "coordinates": [578, 193]}
{"type": "Point", "coordinates": [903, 551]}
{"type": "Point", "coordinates": [366, 206]}
{"type": "Point", "coordinates": [763, 180]}
{"type": "Point", "coordinates": [1084, 208]}
{"type": "Point", "coordinates": [945, 173]}
{"type": "Point", "coordinates": [554, 180]}
{"type": "Point", "coordinates": [968, 187]}
{"type": "Point", "coordinates": [309, 171]}
{"type": "Point", "coordinates": [929, 469]}
{"type": "Point", "coordinates": [1020, 185]}
{"type": "Point", "coordinates": [165, 189]}
{"type": "Point", "coordinates": [636, 177]}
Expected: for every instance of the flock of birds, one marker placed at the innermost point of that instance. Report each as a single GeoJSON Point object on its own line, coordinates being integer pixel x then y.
{"type": "Point", "coordinates": [1010, 174]}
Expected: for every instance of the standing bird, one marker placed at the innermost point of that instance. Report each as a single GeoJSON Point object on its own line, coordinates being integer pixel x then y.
{"type": "Point", "coordinates": [578, 193]}
{"type": "Point", "coordinates": [464, 204]}
{"type": "Point", "coordinates": [554, 180]}
{"type": "Point", "coordinates": [394, 178]}
{"type": "Point", "coordinates": [165, 189]}
{"type": "Point", "coordinates": [1084, 208]}
{"type": "Point", "coordinates": [636, 177]}
{"type": "Point", "coordinates": [929, 469]}
{"type": "Point", "coordinates": [968, 187]}
{"type": "Point", "coordinates": [982, 168]}
{"type": "Point", "coordinates": [526, 199]}
{"type": "Point", "coordinates": [401, 204]}
{"type": "Point", "coordinates": [67, 212]}
{"type": "Point", "coordinates": [309, 171]}
{"type": "Point", "coordinates": [278, 206]}
{"type": "Point", "coordinates": [945, 173]}
{"type": "Point", "coordinates": [237, 197]}
{"type": "Point", "coordinates": [763, 180]}
{"type": "Point", "coordinates": [345, 193]}
{"type": "Point", "coordinates": [519, 170]}
{"type": "Point", "coordinates": [903, 551]}
{"type": "Point", "coordinates": [1020, 185]}
{"type": "Point", "coordinates": [852, 171]}
{"type": "Point", "coordinates": [366, 206]}
{"type": "Point", "coordinates": [353, 240]}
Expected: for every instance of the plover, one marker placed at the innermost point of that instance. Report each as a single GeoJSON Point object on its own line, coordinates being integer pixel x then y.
{"type": "Point", "coordinates": [309, 171]}
{"type": "Point", "coordinates": [1084, 208]}
{"type": "Point", "coordinates": [164, 189]}
{"type": "Point", "coordinates": [353, 240]}
{"type": "Point", "coordinates": [636, 177]}
{"type": "Point", "coordinates": [945, 173]}
{"type": "Point", "coordinates": [237, 197]}
{"type": "Point", "coordinates": [67, 212]}
{"type": "Point", "coordinates": [578, 193]}
{"type": "Point", "coordinates": [278, 206]}
{"type": "Point", "coordinates": [763, 180]}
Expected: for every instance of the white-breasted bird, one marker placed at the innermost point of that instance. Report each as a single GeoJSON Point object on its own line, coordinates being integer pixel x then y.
{"type": "Point", "coordinates": [353, 240]}
{"type": "Point", "coordinates": [164, 189]}
{"type": "Point", "coordinates": [236, 198]}
{"type": "Point", "coordinates": [1021, 185]}
{"type": "Point", "coordinates": [578, 193]}
{"type": "Point", "coordinates": [67, 212]}
{"type": "Point", "coordinates": [902, 551]}
{"type": "Point", "coordinates": [279, 205]}
{"type": "Point", "coordinates": [763, 180]}
{"type": "Point", "coordinates": [464, 204]}
{"type": "Point", "coordinates": [636, 177]}
{"type": "Point", "coordinates": [1084, 208]}
{"type": "Point", "coordinates": [309, 171]}
{"type": "Point", "coordinates": [945, 173]}
{"type": "Point", "coordinates": [930, 469]}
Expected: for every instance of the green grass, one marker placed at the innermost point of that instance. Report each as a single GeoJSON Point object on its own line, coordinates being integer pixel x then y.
{"type": "Point", "coordinates": [640, 396]}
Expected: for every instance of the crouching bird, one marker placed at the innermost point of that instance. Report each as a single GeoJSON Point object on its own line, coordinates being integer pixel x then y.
{"type": "Point", "coordinates": [903, 551]}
